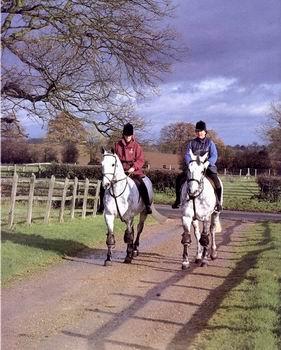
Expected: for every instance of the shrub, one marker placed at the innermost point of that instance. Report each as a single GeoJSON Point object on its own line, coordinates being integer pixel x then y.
{"type": "Point", "coordinates": [71, 171]}
{"type": "Point", "coordinates": [270, 188]}
{"type": "Point", "coordinates": [70, 152]}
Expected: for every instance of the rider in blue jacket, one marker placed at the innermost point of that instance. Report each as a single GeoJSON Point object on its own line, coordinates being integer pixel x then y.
{"type": "Point", "coordinates": [199, 146]}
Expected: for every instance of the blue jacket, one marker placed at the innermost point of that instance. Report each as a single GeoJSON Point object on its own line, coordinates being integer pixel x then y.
{"type": "Point", "coordinates": [200, 147]}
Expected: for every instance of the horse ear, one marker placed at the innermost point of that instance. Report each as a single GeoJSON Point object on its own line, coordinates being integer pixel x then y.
{"type": "Point", "coordinates": [205, 157]}
{"type": "Point", "coordinates": [198, 161]}
{"type": "Point", "coordinates": [112, 150]}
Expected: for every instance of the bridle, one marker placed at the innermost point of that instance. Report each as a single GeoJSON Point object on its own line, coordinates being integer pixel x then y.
{"type": "Point", "coordinates": [200, 183]}
{"type": "Point", "coordinates": [113, 180]}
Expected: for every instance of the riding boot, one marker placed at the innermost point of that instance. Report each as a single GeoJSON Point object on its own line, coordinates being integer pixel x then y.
{"type": "Point", "coordinates": [218, 207]}
{"type": "Point", "coordinates": [179, 182]}
{"type": "Point", "coordinates": [145, 197]}
{"type": "Point", "coordinates": [101, 205]}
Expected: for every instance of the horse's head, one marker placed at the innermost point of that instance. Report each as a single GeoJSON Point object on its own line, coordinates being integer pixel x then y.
{"type": "Point", "coordinates": [111, 168]}
{"type": "Point", "coordinates": [195, 173]}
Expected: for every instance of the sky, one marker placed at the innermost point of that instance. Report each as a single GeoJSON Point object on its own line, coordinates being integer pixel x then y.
{"type": "Point", "coordinates": [229, 75]}
{"type": "Point", "coordinates": [231, 72]}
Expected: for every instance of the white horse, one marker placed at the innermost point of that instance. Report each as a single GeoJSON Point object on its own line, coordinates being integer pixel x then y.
{"type": "Point", "coordinates": [198, 202]}
{"type": "Point", "coordinates": [122, 199]}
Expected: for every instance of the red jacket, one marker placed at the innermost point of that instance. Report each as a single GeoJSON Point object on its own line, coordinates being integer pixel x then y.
{"type": "Point", "coordinates": [131, 155]}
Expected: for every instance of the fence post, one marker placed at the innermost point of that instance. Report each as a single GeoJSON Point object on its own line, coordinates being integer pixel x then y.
{"type": "Point", "coordinates": [74, 196]}
{"type": "Point", "coordinates": [49, 200]}
{"type": "Point", "coordinates": [66, 182]}
{"type": "Point", "coordinates": [256, 172]}
{"type": "Point", "coordinates": [84, 208]}
{"type": "Point", "coordinates": [13, 200]}
{"type": "Point", "coordinates": [240, 172]}
{"type": "Point", "coordinates": [224, 171]}
{"type": "Point", "coordinates": [97, 198]}
{"type": "Point", "coordinates": [30, 199]}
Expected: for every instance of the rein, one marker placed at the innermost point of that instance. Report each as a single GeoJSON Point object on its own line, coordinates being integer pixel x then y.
{"type": "Point", "coordinates": [199, 191]}
{"type": "Point", "coordinates": [113, 182]}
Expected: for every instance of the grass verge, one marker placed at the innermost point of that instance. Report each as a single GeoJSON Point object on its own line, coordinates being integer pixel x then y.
{"type": "Point", "coordinates": [249, 315]}
{"type": "Point", "coordinates": [27, 249]}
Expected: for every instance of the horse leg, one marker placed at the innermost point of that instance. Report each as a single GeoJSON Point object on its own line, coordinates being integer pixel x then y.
{"type": "Point", "coordinates": [204, 241]}
{"type": "Point", "coordinates": [143, 216]}
{"type": "Point", "coordinates": [213, 229]}
{"type": "Point", "coordinates": [197, 234]}
{"type": "Point", "coordinates": [185, 241]}
{"type": "Point", "coordinates": [110, 240]}
{"type": "Point", "coordinates": [129, 239]}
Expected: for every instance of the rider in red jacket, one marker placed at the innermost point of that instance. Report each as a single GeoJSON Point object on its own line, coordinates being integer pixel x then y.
{"type": "Point", "coordinates": [131, 156]}
{"type": "Point", "coordinates": [130, 153]}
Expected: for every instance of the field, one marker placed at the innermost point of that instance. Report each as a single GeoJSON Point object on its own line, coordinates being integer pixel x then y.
{"type": "Point", "coordinates": [239, 194]}
{"type": "Point", "coordinates": [249, 316]}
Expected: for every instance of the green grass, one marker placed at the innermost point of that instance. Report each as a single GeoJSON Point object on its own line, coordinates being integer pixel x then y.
{"type": "Point", "coordinates": [248, 317]}
{"type": "Point", "coordinates": [27, 249]}
{"type": "Point", "coordinates": [239, 194]}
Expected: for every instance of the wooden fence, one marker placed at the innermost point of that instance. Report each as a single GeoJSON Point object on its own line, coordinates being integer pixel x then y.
{"type": "Point", "coordinates": [78, 195]}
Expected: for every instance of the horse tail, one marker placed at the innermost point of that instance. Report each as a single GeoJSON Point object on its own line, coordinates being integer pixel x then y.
{"type": "Point", "coordinates": [161, 219]}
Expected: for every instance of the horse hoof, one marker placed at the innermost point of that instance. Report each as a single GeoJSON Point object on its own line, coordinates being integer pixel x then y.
{"type": "Point", "coordinates": [135, 253]}
{"type": "Point", "coordinates": [128, 260]}
{"type": "Point", "coordinates": [214, 256]}
{"type": "Point", "coordinates": [107, 263]}
{"type": "Point", "coordinates": [198, 261]}
{"type": "Point", "coordinates": [185, 266]}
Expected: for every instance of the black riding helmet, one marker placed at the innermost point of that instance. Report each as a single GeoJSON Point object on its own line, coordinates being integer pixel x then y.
{"type": "Point", "coordinates": [128, 129]}
{"type": "Point", "coordinates": [200, 126]}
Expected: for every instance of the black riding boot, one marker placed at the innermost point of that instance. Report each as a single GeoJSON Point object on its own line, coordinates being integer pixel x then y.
{"type": "Point", "coordinates": [179, 182]}
{"type": "Point", "coordinates": [144, 196]}
{"type": "Point", "coordinates": [101, 206]}
{"type": "Point", "coordinates": [218, 195]}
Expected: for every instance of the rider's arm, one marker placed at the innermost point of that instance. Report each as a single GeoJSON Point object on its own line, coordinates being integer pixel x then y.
{"type": "Point", "coordinates": [187, 156]}
{"type": "Point", "coordinates": [213, 153]}
{"type": "Point", "coordinates": [139, 158]}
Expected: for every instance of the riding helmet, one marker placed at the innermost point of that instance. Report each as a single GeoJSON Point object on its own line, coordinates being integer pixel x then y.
{"type": "Point", "coordinates": [201, 126]}
{"type": "Point", "coordinates": [128, 129]}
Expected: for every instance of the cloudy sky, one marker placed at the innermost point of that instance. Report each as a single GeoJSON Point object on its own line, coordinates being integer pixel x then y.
{"type": "Point", "coordinates": [230, 73]}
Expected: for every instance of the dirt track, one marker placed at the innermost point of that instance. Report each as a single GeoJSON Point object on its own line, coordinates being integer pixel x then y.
{"type": "Point", "coordinates": [148, 305]}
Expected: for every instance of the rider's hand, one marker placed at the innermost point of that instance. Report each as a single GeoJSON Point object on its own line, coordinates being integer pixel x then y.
{"type": "Point", "coordinates": [131, 170]}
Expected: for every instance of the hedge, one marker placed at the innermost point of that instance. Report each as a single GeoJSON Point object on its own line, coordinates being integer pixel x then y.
{"type": "Point", "coordinates": [270, 188]}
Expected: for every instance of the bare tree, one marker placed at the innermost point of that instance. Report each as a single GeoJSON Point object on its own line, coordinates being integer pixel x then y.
{"type": "Point", "coordinates": [88, 59]}
{"type": "Point", "coordinates": [271, 133]}
{"type": "Point", "coordinates": [174, 137]}
{"type": "Point", "coordinates": [65, 128]}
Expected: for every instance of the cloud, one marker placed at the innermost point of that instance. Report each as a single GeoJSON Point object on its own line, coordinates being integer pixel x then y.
{"type": "Point", "coordinates": [233, 110]}
{"type": "Point", "coordinates": [231, 72]}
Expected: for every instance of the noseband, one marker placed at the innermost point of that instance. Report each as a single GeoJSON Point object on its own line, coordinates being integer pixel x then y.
{"type": "Point", "coordinates": [113, 180]}
{"type": "Point", "coordinates": [105, 174]}
{"type": "Point", "coordinates": [200, 184]}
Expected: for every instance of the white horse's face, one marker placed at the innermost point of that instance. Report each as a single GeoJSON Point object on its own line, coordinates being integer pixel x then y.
{"type": "Point", "coordinates": [195, 173]}
{"type": "Point", "coordinates": [109, 169]}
